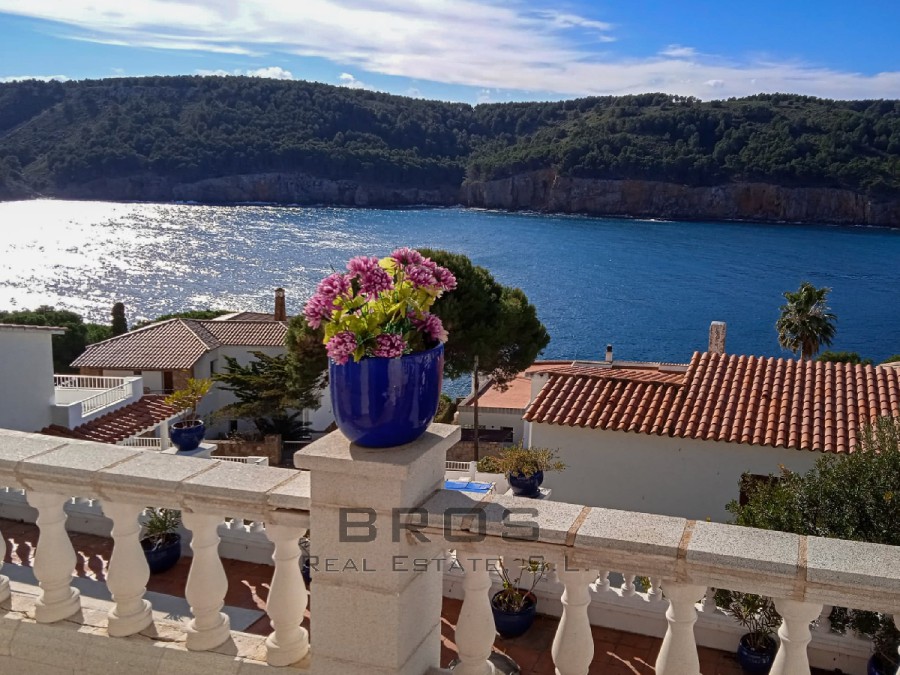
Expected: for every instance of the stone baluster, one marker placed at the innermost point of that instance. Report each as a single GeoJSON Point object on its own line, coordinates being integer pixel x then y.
{"type": "Point", "coordinates": [823, 625]}
{"type": "Point", "coordinates": [288, 642]}
{"type": "Point", "coordinates": [237, 525]}
{"type": "Point", "coordinates": [4, 581]}
{"type": "Point", "coordinates": [573, 645]}
{"type": "Point", "coordinates": [128, 572]}
{"type": "Point", "coordinates": [654, 593]}
{"type": "Point", "coordinates": [628, 585]}
{"type": "Point", "coordinates": [678, 654]}
{"type": "Point", "coordinates": [709, 602]}
{"type": "Point", "coordinates": [475, 627]}
{"type": "Point", "coordinates": [54, 560]}
{"type": "Point", "coordinates": [603, 581]}
{"type": "Point", "coordinates": [206, 584]}
{"type": "Point", "coordinates": [795, 635]}
{"type": "Point", "coordinates": [257, 526]}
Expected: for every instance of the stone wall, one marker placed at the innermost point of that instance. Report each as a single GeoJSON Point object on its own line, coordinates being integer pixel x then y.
{"type": "Point", "coordinates": [269, 447]}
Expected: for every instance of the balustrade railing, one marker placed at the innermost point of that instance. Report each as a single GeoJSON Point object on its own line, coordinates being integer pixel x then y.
{"type": "Point", "coordinates": [149, 442]}
{"type": "Point", "coordinates": [667, 563]}
{"type": "Point", "coordinates": [105, 398]}
{"type": "Point", "coordinates": [87, 382]}
{"type": "Point", "coordinates": [250, 459]}
{"type": "Point", "coordinates": [124, 480]}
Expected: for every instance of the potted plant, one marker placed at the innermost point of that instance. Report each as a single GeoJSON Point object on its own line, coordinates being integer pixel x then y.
{"type": "Point", "coordinates": [188, 433]}
{"type": "Point", "coordinates": [386, 351]}
{"type": "Point", "coordinates": [304, 565]}
{"type": "Point", "coordinates": [161, 541]}
{"type": "Point", "coordinates": [525, 467]}
{"type": "Point", "coordinates": [885, 637]}
{"type": "Point", "coordinates": [757, 614]}
{"type": "Point", "coordinates": [514, 607]}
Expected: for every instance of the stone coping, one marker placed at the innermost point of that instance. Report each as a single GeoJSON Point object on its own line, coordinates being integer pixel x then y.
{"type": "Point", "coordinates": [777, 564]}
{"type": "Point", "coordinates": [117, 473]}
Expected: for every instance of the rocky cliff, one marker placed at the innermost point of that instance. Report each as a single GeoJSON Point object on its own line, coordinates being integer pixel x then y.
{"type": "Point", "coordinates": [278, 188]}
{"type": "Point", "coordinates": [546, 191]}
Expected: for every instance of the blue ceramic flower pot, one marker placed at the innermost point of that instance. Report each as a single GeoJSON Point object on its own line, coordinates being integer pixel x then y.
{"type": "Point", "coordinates": [526, 486]}
{"type": "Point", "coordinates": [876, 666]}
{"type": "Point", "coordinates": [514, 624]}
{"type": "Point", "coordinates": [187, 438]}
{"type": "Point", "coordinates": [163, 557]}
{"type": "Point", "coordinates": [381, 402]}
{"type": "Point", "coordinates": [755, 661]}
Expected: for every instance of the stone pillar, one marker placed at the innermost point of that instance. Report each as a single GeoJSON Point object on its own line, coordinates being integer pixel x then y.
{"type": "Point", "coordinates": [377, 604]}
{"type": "Point", "coordinates": [678, 654]}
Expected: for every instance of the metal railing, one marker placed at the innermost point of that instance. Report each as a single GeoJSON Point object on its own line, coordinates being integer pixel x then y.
{"type": "Point", "coordinates": [254, 460]}
{"type": "Point", "coordinates": [142, 442]}
{"type": "Point", "coordinates": [105, 398]}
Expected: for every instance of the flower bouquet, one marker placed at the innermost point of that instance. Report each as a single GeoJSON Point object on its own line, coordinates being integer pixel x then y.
{"type": "Point", "coordinates": [385, 346]}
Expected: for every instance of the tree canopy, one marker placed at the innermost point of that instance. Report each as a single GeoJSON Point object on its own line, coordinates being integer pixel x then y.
{"type": "Point", "coordinates": [57, 136]}
{"type": "Point", "coordinates": [66, 347]}
{"type": "Point", "coordinates": [806, 322]}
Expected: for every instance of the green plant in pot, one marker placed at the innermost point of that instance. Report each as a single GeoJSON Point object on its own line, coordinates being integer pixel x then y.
{"type": "Point", "coordinates": [525, 467]}
{"type": "Point", "coordinates": [885, 637]}
{"type": "Point", "coordinates": [161, 541]}
{"type": "Point", "coordinates": [515, 605]}
{"type": "Point", "coordinates": [758, 616]}
{"type": "Point", "coordinates": [188, 433]}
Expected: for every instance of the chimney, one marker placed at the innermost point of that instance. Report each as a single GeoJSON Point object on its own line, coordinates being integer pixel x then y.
{"type": "Point", "coordinates": [609, 354]}
{"type": "Point", "coordinates": [280, 310]}
{"type": "Point", "coordinates": [717, 330]}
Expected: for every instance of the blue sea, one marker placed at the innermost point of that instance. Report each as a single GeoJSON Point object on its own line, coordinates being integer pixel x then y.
{"type": "Point", "coordinates": [649, 288]}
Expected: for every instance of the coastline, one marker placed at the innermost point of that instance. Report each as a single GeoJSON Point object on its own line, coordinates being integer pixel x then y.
{"type": "Point", "coordinates": [465, 207]}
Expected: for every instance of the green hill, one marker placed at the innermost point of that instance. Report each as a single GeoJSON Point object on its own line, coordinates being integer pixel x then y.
{"type": "Point", "coordinates": [57, 137]}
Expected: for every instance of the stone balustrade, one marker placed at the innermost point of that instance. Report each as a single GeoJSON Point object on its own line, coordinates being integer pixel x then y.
{"type": "Point", "coordinates": [382, 517]}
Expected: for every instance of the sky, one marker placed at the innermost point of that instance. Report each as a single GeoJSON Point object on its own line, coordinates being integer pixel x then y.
{"type": "Point", "coordinates": [475, 51]}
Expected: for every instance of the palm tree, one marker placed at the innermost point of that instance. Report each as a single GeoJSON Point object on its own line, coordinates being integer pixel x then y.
{"type": "Point", "coordinates": [806, 324]}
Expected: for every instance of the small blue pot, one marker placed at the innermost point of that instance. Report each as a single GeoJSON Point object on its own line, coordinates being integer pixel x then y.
{"type": "Point", "coordinates": [526, 486]}
{"type": "Point", "coordinates": [163, 557]}
{"type": "Point", "coordinates": [876, 667]}
{"type": "Point", "coordinates": [514, 624]}
{"type": "Point", "coordinates": [754, 661]}
{"type": "Point", "coordinates": [187, 438]}
{"type": "Point", "coordinates": [382, 402]}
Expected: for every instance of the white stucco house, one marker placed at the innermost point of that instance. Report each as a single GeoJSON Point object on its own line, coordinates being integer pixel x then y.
{"type": "Point", "coordinates": [678, 439]}
{"type": "Point", "coordinates": [104, 409]}
{"type": "Point", "coordinates": [167, 353]}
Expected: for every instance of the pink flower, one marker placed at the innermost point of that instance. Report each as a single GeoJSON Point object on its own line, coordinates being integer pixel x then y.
{"type": "Point", "coordinates": [420, 276]}
{"type": "Point", "coordinates": [317, 310]}
{"type": "Point", "coordinates": [432, 327]}
{"type": "Point", "coordinates": [341, 347]}
{"type": "Point", "coordinates": [372, 278]}
{"type": "Point", "coordinates": [444, 277]}
{"type": "Point", "coordinates": [407, 256]}
{"type": "Point", "coordinates": [333, 285]}
{"type": "Point", "coordinates": [389, 345]}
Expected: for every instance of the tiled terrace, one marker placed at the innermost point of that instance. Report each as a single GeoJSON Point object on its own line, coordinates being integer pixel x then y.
{"type": "Point", "coordinates": [615, 652]}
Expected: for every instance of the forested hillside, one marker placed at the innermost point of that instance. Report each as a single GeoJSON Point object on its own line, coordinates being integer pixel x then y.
{"type": "Point", "coordinates": [56, 138]}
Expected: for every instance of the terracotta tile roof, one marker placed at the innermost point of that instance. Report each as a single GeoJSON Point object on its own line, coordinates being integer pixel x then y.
{"type": "Point", "coordinates": [119, 424]}
{"type": "Point", "coordinates": [178, 343]}
{"type": "Point", "coordinates": [517, 393]}
{"type": "Point", "coordinates": [804, 405]}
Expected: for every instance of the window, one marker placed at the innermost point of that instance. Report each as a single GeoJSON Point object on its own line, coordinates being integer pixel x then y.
{"type": "Point", "coordinates": [213, 364]}
{"type": "Point", "coordinates": [135, 372]}
{"type": "Point", "coordinates": [168, 381]}
{"type": "Point", "coordinates": [232, 426]}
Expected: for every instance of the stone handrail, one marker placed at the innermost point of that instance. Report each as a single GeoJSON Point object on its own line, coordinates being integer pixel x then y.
{"type": "Point", "coordinates": [685, 558]}
{"type": "Point", "coordinates": [51, 470]}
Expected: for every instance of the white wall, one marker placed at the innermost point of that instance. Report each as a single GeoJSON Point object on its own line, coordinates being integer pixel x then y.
{"type": "Point", "coordinates": [656, 474]}
{"type": "Point", "coordinates": [218, 398]}
{"type": "Point", "coordinates": [153, 379]}
{"type": "Point", "coordinates": [494, 418]}
{"type": "Point", "coordinates": [26, 379]}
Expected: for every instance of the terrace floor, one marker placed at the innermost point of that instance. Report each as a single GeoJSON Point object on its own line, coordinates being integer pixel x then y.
{"type": "Point", "coordinates": [615, 652]}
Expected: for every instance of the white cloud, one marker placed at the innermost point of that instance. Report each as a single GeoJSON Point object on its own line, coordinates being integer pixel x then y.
{"type": "Point", "coordinates": [271, 72]}
{"type": "Point", "coordinates": [348, 80]}
{"type": "Point", "coordinates": [679, 52]}
{"type": "Point", "coordinates": [486, 44]}
{"type": "Point", "coordinates": [46, 78]}
{"type": "Point", "coordinates": [715, 84]}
